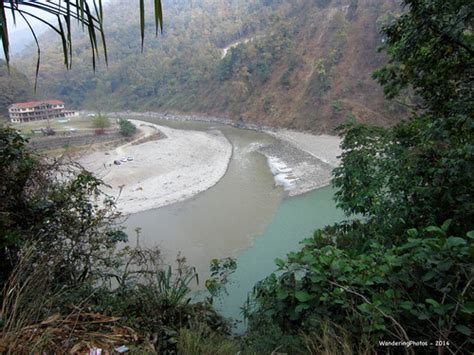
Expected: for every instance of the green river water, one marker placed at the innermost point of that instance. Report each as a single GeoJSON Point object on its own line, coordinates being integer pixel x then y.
{"type": "Point", "coordinates": [243, 216]}
{"type": "Point", "coordinates": [296, 219]}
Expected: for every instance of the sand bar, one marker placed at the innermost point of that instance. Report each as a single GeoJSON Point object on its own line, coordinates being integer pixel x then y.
{"type": "Point", "coordinates": [308, 160]}
{"type": "Point", "coordinates": [324, 147]}
{"type": "Point", "coordinates": [162, 171]}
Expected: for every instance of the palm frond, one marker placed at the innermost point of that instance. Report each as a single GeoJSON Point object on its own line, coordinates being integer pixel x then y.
{"type": "Point", "coordinates": [88, 13]}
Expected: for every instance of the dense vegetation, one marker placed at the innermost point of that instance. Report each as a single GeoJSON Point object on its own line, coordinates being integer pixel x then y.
{"type": "Point", "coordinates": [288, 63]}
{"type": "Point", "coordinates": [14, 87]}
{"type": "Point", "coordinates": [402, 267]}
{"type": "Point", "coordinates": [65, 285]}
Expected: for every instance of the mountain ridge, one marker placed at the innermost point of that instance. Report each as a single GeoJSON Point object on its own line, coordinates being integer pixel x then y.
{"type": "Point", "coordinates": [14, 87]}
{"type": "Point", "coordinates": [306, 64]}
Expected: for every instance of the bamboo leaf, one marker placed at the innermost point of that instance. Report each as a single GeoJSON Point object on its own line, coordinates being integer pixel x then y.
{"type": "Point", "coordinates": [100, 17]}
{"type": "Point", "coordinates": [68, 27]}
{"type": "Point", "coordinates": [12, 9]}
{"type": "Point", "coordinates": [142, 21]}
{"type": "Point", "coordinates": [158, 16]}
{"type": "Point", "coordinates": [92, 36]}
{"type": "Point", "coordinates": [4, 34]}
{"type": "Point", "coordinates": [38, 56]}
{"type": "Point", "coordinates": [63, 42]}
{"type": "Point", "coordinates": [67, 10]}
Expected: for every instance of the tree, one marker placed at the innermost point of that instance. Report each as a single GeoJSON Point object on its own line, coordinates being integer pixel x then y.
{"type": "Point", "coordinates": [58, 208]}
{"type": "Point", "coordinates": [430, 47]}
{"type": "Point", "coordinates": [127, 128]}
{"type": "Point", "coordinates": [431, 50]}
{"type": "Point", "coordinates": [100, 121]}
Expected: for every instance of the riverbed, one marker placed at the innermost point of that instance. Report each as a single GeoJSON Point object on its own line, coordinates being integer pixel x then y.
{"type": "Point", "coordinates": [245, 216]}
{"type": "Point", "coordinates": [223, 220]}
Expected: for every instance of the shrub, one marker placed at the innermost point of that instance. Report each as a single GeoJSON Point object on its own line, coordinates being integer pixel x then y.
{"type": "Point", "coordinates": [200, 339]}
{"type": "Point", "coordinates": [267, 103]}
{"type": "Point", "coordinates": [285, 80]}
{"type": "Point", "coordinates": [61, 206]}
{"type": "Point", "coordinates": [100, 122]}
{"type": "Point", "coordinates": [62, 266]}
{"type": "Point", "coordinates": [336, 106]}
{"type": "Point", "coordinates": [127, 128]}
{"type": "Point", "coordinates": [419, 290]}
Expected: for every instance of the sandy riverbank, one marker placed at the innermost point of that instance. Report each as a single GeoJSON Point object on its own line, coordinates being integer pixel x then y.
{"type": "Point", "coordinates": [163, 171]}
{"type": "Point", "coordinates": [300, 161]}
{"type": "Point", "coordinates": [323, 147]}
{"type": "Point", "coordinates": [170, 170]}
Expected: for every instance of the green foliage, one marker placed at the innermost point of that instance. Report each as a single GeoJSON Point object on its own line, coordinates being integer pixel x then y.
{"type": "Point", "coordinates": [420, 287]}
{"type": "Point", "coordinates": [127, 128]}
{"type": "Point", "coordinates": [63, 215]}
{"type": "Point", "coordinates": [266, 336]}
{"type": "Point", "coordinates": [339, 40]}
{"type": "Point", "coordinates": [431, 50]}
{"type": "Point", "coordinates": [173, 291]}
{"type": "Point", "coordinates": [336, 106]}
{"type": "Point", "coordinates": [64, 258]}
{"type": "Point", "coordinates": [226, 66]}
{"type": "Point", "coordinates": [172, 68]}
{"type": "Point", "coordinates": [351, 119]}
{"type": "Point", "coordinates": [363, 148]}
{"type": "Point", "coordinates": [253, 61]}
{"type": "Point", "coordinates": [320, 81]}
{"type": "Point", "coordinates": [90, 16]}
{"type": "Point", "coordinates": [100, 121]}
{"type": "Point", "coordinates": [220, 269]}
{"type": "Point", "coordinates": [200, 339]}
{"type": "Point", "coordinates": [418, 173]}
{"type": "Point", "coordinates": [270, 46]}
{"type": "Point", "coordinates": [401, 269]}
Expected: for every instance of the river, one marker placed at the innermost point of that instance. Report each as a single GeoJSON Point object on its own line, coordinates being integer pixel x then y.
{"type": "Point", "coordinates": [243, 216]}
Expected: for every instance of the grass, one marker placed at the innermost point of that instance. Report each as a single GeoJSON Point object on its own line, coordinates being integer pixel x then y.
{"type": "Point", "coordinates": [79, 124]}
{"type": "Point", "coordinates": [200, 340]}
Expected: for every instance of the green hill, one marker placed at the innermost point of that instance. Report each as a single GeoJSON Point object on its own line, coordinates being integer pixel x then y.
{"type": "Point", "coordinates": [14, 87]}
{"type": "Point", "coordinates": [303, 64]}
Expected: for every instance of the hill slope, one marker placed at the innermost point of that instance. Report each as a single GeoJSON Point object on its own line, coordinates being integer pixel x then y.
{"type": "Point", "coordinates": [303, 64]}
{"type": "Point", "coordinates": [14, 87]}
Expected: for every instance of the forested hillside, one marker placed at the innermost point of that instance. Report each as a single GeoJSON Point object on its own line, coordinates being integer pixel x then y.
{"type": "Point", "coordinates": [14, 87]}
{"type": "Point", "coordinates": [303, 64]}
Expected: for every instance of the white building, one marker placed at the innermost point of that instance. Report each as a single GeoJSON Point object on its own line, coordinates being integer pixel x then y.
{"type": "Point", "coordinates": [37, 110]}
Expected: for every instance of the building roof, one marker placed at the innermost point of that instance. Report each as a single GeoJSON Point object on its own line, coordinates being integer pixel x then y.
{"type": "Point", "coordinates": [31, 104]}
